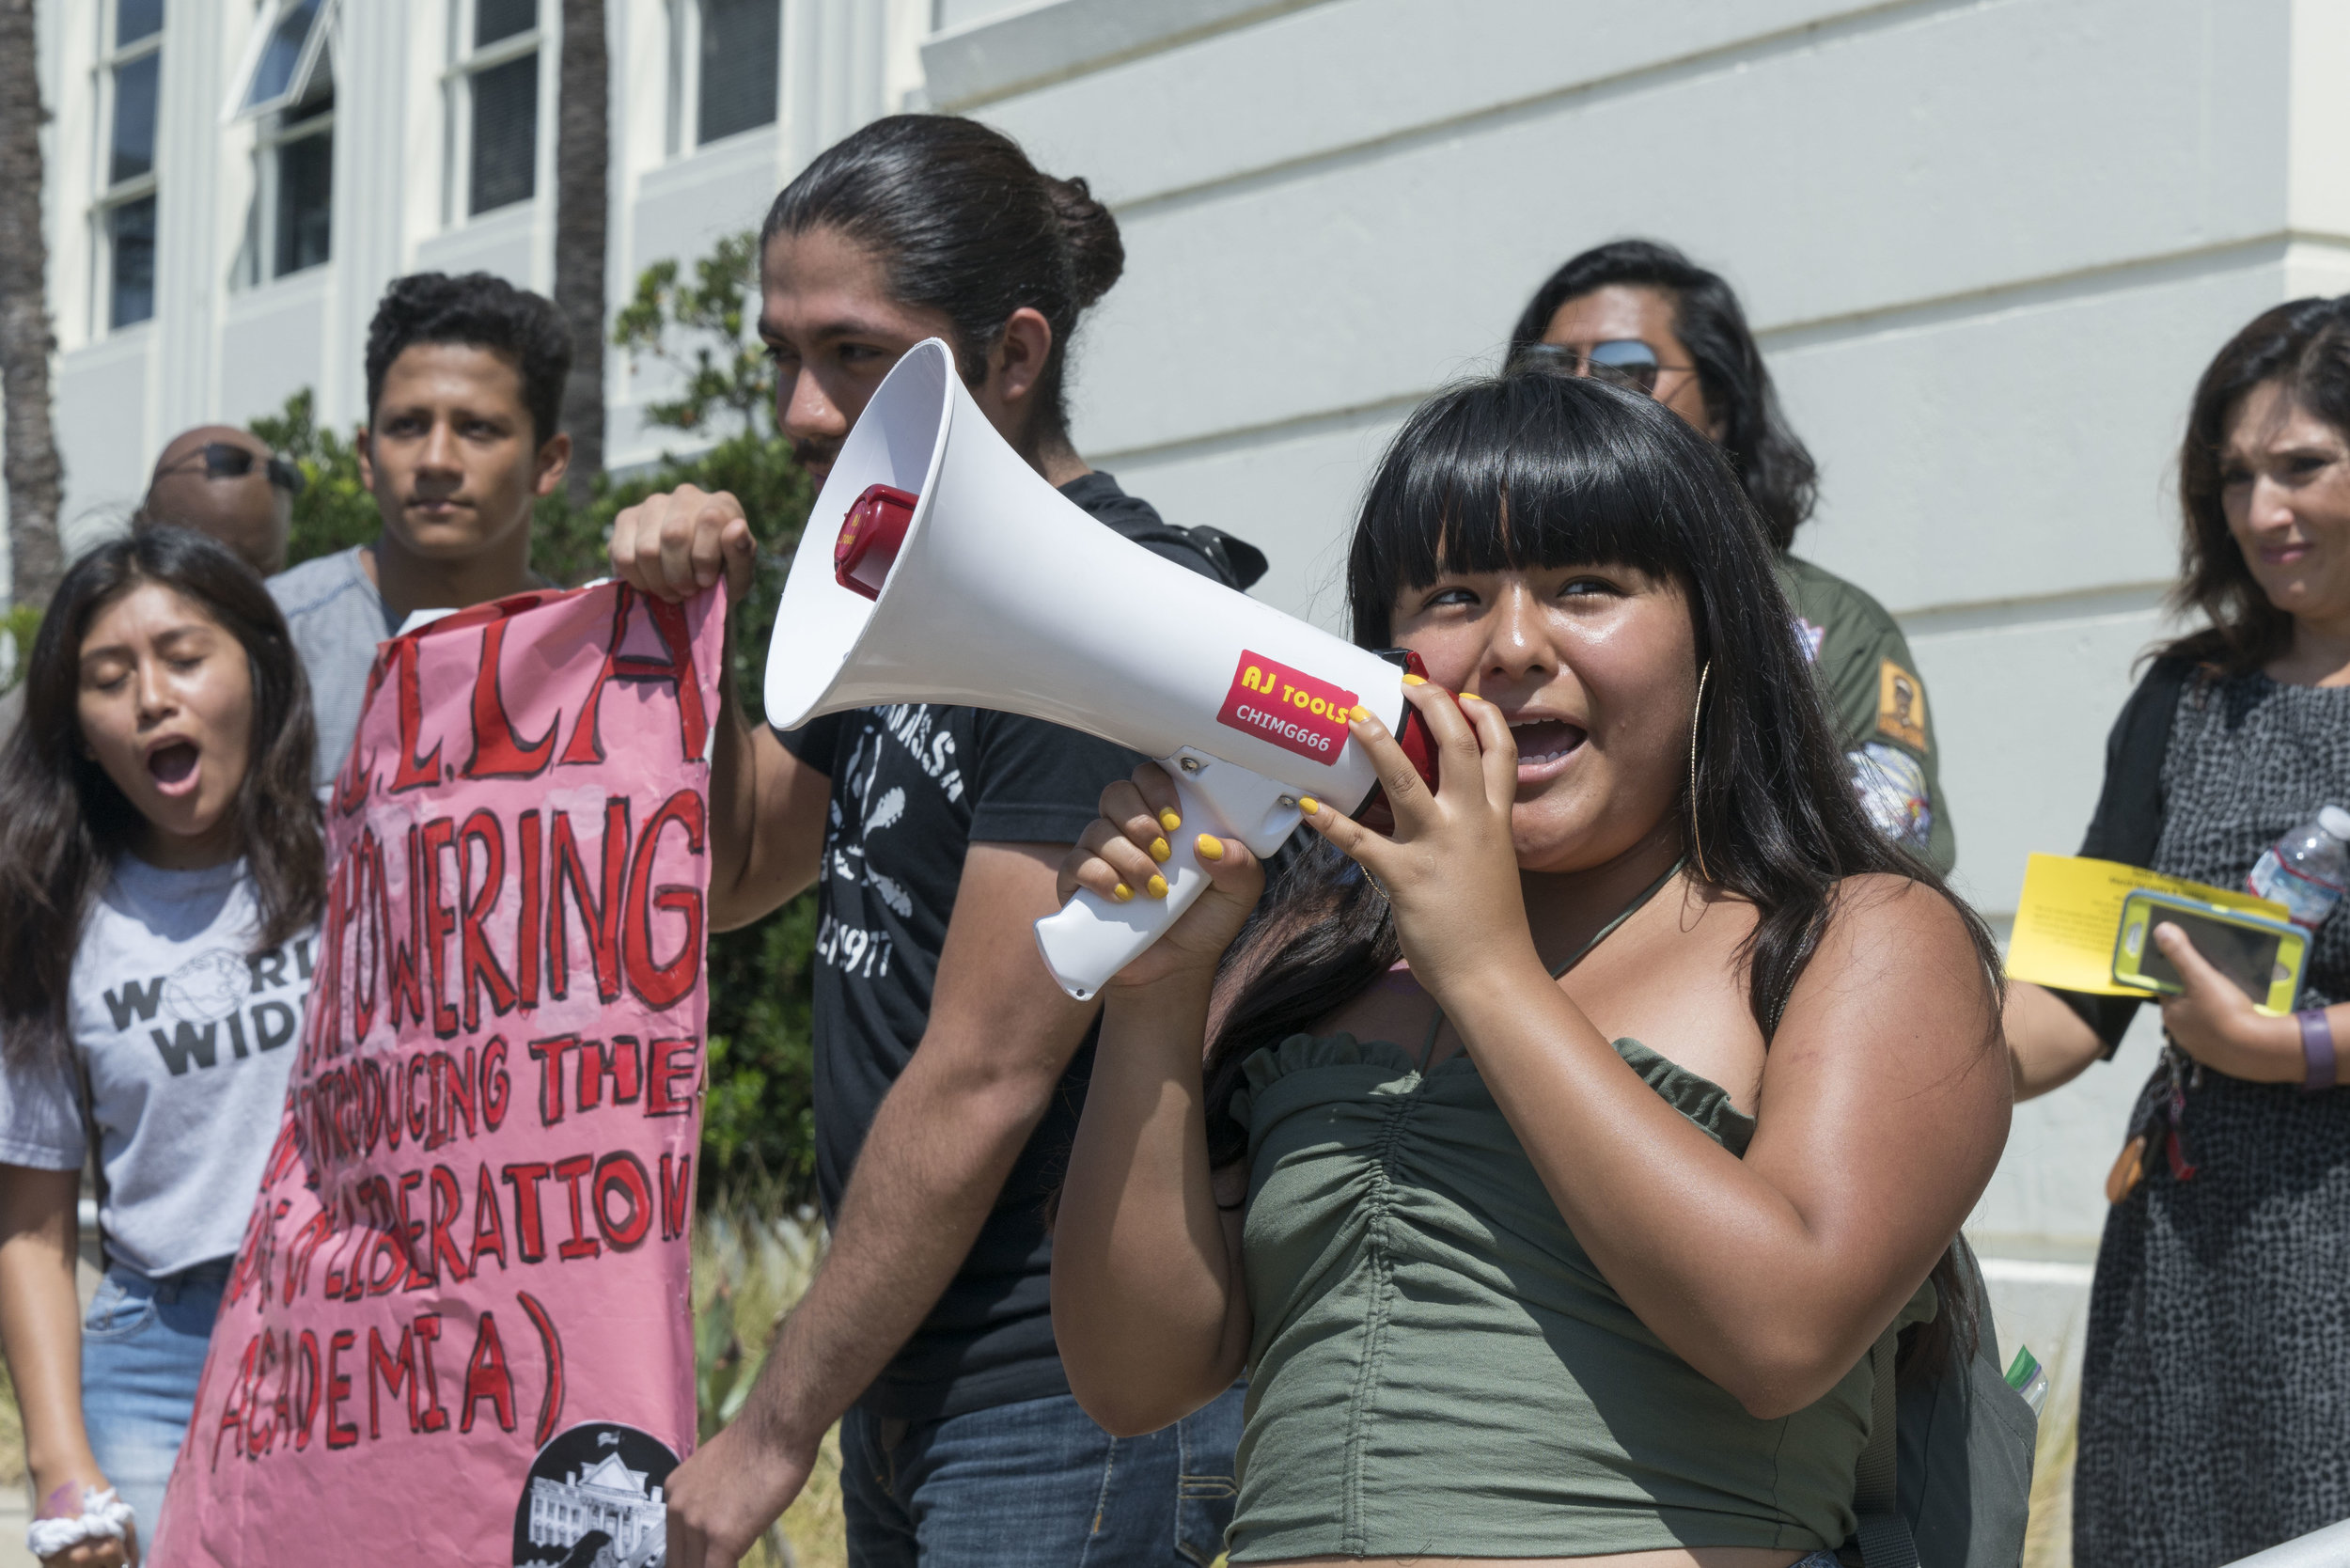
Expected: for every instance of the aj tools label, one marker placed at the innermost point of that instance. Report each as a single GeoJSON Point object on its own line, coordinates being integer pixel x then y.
{"type": "Point", "coordinates": [1284, 705]}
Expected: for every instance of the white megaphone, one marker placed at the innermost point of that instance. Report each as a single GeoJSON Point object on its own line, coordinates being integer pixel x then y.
{"type": "Point", "coordinates": [938, 567]}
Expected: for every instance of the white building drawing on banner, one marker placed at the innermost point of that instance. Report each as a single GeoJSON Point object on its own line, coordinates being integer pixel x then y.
{"type": "Point", "coordinates": [606, 1496]}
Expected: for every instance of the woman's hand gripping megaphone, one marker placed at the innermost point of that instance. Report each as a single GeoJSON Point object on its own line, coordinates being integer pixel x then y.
{"type": "Point", "coordinates": [1148, 845]}
{"type": "Point", "coordinates": [1447, 862]}
{"type": "Point", "coordinates": [1122, 857]}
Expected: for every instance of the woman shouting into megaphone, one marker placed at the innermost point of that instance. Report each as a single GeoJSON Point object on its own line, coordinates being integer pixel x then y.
{"type": "Point", "coordinates": [1551, 1165]}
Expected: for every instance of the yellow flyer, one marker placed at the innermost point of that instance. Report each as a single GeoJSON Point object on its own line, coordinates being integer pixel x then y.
{"type": "Point", "coordinates": [2069, 917]}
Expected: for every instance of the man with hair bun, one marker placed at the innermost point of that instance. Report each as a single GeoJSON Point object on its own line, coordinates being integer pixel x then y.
{"type": "Point", "coordinates": [464, 390]}
{"type": "Point", "coordinates": [950, 1068]}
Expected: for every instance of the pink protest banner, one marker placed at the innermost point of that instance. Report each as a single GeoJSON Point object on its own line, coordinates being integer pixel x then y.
{"type": "Point", "coordinates": [459, 1331]}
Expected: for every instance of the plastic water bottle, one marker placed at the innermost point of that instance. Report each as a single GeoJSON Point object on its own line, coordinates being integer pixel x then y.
{"type": "Point", "coordinates": [2307, 870]}
{"type": "Point", "coordinates": [2028, 1377]}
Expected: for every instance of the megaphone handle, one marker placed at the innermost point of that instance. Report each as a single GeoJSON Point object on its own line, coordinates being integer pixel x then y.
{"type": "Point", "coordinates": [1092, 938]}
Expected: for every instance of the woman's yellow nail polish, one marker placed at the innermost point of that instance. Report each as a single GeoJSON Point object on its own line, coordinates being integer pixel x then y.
{"type": "Point", "coordinates": [1122, 893]}
{"type": "Point", "coordinates": [1169, 820]}
{"type": "Point", "coordinates": [1309, 805]}
{"type": "Point", "coordinates": [1360, 714]}
{"type": "Point", "coordinates": [1159, 851]}
{"type": "Point", "coordinates": [1470, 696]}
{"type": "Point", "coordinates": [1416, 679]}
{"type": "Point", "coordinates": [1209, 847]}
{"type": "Point", "coordinates": [1156, 886]}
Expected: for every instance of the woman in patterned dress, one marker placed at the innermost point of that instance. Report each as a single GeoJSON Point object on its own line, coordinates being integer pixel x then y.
{"type": "Point", "coordinates": [2216, 1393]}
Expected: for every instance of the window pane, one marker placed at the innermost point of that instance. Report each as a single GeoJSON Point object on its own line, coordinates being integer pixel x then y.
{"type": "Point", "coordinates": [505, 133]}
{"type": "Point", "coordinates": [494, 20]}
{"type": "Point", "coordinates": [130, 229]}
{"type": "Point", "coordinates": [273, 74]}
{"type": "Point", "coordinates": [306, 192]}
{"type": "Point", "coordinates": [133, 148]}
{"type": "Point", "coordinates": [137, 19]}
{"type": "Point", "coordinates": [318, 94]}
{"type": "Point", "coordinates": [738, 70]}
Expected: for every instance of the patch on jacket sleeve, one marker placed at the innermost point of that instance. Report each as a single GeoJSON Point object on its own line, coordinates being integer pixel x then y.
{"type": "Point", "coordinates": [1808, 636]}
{"type": "Point", "coordinates": [1892, 790]}
{"type": "Point", "coordinates": [1901, 706]}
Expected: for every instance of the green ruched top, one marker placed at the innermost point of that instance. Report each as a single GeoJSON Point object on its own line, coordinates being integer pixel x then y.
{"type": "Point", "coordinates": [1437, 1367]}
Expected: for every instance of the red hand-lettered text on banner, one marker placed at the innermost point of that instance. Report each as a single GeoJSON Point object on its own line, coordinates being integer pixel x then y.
{"type": "Point", "coordinates": [1283, 704]}
{"type": "Point", "coordinates": [471, 1241]}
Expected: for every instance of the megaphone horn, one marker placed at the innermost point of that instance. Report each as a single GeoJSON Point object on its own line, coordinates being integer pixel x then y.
{"type": "Point", "coordinates": [958, 575]}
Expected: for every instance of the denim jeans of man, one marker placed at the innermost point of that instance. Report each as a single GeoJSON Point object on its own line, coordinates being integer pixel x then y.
{"type": "Point", "coordinates": [142, 1355]}
{"type": "Point", "coordinates": [1037, 1484]}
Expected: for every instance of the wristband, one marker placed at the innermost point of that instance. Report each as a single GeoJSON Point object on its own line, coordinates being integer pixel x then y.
{"type": "Point", "coordinates": [103, 1518]}
{"type": "Point", "coordinates": [2317, 1049]}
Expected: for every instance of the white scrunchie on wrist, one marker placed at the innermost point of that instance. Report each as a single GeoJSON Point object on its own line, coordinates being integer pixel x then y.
{"type": "Point", "coordinates": [103, 1518]}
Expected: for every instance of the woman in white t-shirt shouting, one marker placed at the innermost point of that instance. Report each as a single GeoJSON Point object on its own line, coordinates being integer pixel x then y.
{"type": "Point", "coordinates": [161, 875]}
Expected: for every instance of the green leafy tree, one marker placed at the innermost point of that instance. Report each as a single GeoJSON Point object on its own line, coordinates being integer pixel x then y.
{"type": "Point", "coordinates": [757, 1121]}
{"type": "Point", "coordinates": [697, 326]}
{"type": "Point", "coordinates": [334, 510]}
{"type": "Point", "coordinates": [758, 1118]}
{"type": "Point", "coordinates": [20, 624]}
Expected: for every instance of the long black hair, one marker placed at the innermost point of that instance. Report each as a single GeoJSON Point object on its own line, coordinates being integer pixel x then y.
{"type": "Point", "coordinates": [63, 822]}
{"type": "Point", "coordinates": [2304, 348]}
{"type": "Point", "coordinates": [963, 223]}
{"type": "Point", "coordinates": [1772, 463]}
{"type": "Point", "coordinates": [1533, 469]}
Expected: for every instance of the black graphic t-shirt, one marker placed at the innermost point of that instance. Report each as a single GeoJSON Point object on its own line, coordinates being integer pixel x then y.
{"type": "Point", "coordinates": [912, 787]}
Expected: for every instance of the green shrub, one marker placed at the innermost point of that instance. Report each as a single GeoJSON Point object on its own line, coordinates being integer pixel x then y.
{"type": "Point", "coordinates": [334, 510]}
{"type": "Point", "coordinates": [20, 625]}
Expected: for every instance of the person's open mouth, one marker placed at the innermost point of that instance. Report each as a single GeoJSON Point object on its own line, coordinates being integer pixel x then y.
{"type": "Point", "coordinates": [173, 766]}
{"type": "Point", "coordinates": [1545, 745]}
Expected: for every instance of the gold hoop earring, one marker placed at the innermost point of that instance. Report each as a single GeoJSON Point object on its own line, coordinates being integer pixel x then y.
{"type": "Point", "coordinates": [1697, 846]}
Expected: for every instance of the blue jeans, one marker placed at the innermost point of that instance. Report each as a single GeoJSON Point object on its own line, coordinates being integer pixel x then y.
{"type": "Point", "coordinates": [142, 1353]}
{"type": "Point", "coordinates": [1037, 1484]}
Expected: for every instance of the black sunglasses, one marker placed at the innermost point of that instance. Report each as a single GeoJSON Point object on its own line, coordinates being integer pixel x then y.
{"type": "Point", "coordinates": [1626, 362]}
{"type": "Point", "coordinates": [225, 459]}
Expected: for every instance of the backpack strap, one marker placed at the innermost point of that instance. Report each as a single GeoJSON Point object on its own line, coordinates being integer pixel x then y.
{"type": "Point", "coordinates": [95, 1152]}
{"type": "Point", "coordinates": [1883, 1534]}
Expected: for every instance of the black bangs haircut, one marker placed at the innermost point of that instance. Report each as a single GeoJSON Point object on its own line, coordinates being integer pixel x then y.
{"type": "Point", "coordinates": [1534, 469]}
{"type": "Point", "coordinates": [62, 821]}
{"type": "Point", "coordinates": [1492, 487]}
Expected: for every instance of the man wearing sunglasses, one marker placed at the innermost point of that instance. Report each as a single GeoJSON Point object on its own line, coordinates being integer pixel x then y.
{"type": "Point", "coordinates": [224, 482]}
{"type": "Point", "coordinates": [219, 480]}
{"type": "Point", "coordinates": [1642, 316]}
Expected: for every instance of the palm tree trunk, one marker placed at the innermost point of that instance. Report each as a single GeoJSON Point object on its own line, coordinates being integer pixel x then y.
{"type": "Point", "coordinates": [582, 160]}
{"type": "Point", "coordinates": [33, 474]}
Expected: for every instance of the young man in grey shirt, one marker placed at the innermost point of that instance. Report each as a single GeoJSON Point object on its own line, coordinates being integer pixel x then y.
{"type": "Point", "coordinates": [464, 386]}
